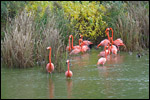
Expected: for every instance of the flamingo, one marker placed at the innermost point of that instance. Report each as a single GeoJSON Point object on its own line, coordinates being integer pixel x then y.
{"type": "Point", "coordinates": [102, 60]}
{"type": "Point", "coordinates": [84, 48]}
{"type": "Point", "coordinates": [114, 49]}
{"type": "Point", "coordinates": [105, 42]}
{"type": "Point", "coordinates": [85, 42]}
{"type": "Point", "coordinates": [76, 50]}
{"type": "Point", "coordinates": [118, 42]}
{"type": "Point", "coordinates": [50, 65]}
{"type": "Point", "coordinates": [102, 53]}
{"type": "Point", "coordinates": [68, 48]}
{"type": "Point", "coordinates": [68, 73]}
{"type": "Point", "coordinates": [74, 47]}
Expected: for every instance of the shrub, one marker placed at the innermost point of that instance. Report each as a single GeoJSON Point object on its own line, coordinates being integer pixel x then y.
{"type": "Point", "coordinates": [86, 17]}
{"type": "Point", "coordinates": [9, 9]}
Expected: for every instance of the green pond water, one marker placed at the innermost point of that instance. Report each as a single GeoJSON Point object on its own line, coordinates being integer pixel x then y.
{"type": "Point", "coordinates": [123, 76]}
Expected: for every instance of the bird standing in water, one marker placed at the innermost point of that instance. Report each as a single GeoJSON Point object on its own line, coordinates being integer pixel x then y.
{"type": "Point", "coordinates": [102, 60]}
{"type": "Point", "coordinates": [50, 65]}
{"type": "Point", "coordinates": [68, 73]}
{"type": "Point", "coordinates": [68, 48]}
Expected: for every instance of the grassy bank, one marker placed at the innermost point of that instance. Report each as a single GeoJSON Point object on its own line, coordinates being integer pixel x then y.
{"type": "Point", "coordinates": [25, 42]}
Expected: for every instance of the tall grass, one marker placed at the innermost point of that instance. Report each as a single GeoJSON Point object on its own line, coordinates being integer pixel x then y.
{"type": "Point", "coordinates": [132, 25]}
{"type": "Point", "coordinates": [26, 40]}
{"type": "Point", "coordinates": [17, 47]}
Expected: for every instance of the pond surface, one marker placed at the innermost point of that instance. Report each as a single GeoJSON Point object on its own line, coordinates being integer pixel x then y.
{"type": "Point", "coordinates": [123, 76]}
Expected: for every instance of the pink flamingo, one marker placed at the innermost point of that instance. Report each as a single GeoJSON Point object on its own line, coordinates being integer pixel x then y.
{"type": "Point", "coordinates": [114, 49]}
{"type": "Point", "coordinates": [102, 60]}
{"type": "Point", "coordinates": [76, 50]}
{"type": "Point", "coordinates": [68, 73]}
{"type": "Point", "coordinates": [118, 42]}
{"type": "Point", "coordinates": [102, 53]}
{"type": "Point", "coordinates": [74, 47]}
{"type": "Point", "coordinates": [83, 48]}
{"type": "Point", "coordinates": [49, 66]}
{"type": "Point", "coordinates": [85, 42]}
{"type": "Point", "coordinates": [68, 48]}
{"type": "Point", "coordinates": [105, 42]}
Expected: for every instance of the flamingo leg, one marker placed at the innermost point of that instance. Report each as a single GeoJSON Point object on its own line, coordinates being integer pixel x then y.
{"type": "Point", "coordinates": [51, 75]}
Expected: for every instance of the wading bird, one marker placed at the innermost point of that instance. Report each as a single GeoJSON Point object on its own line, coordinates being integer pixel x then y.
{"type": "Point", "coordinates": [102, 60]}
{"type": "Point", "coordinates": [105, 42]}
{"type": "Point", "coordinates": [68, 73]}
{"type": "Point", "coordinates": [114, 49]}
{"type": "Point", "coordinates": [85, 42]}
{"type": "Point", "coordinates": [102, 53]}
{"type": "Point", "coordinates": [74, 47]}
{"type": "Point", "coordinates": [68, 48]}
{"type": "Point", "coordinates": [77, 50]}
{"type": "Point", "coordinates": [118, 42]}
{"type": "Point", "coordinates": [50, 65]}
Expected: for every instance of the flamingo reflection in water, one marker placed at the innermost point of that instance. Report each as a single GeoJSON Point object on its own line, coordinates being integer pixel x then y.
{"type": "Point", "coordinates": [51, 89]}
{"type": "Point", "coordinates": [117, 59]}
{"type": "Point", "coordinates": [80, 61]}
{"type": "Point", "coordinates": [69, 88]}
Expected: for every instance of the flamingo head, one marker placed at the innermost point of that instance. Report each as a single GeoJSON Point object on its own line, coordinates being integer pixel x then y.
{"type": "Point", "coordinates": [81, 36]}
{"type": "Point", "coordinates": [48, 48]}
{"type": "Point", "coordinates": [80, 42]}
{"type": "Point", "coordinates": [67, 61]}
{"type": "Point", "coordinates": [108, 29]}
{"type": "Point", "coordinates": [70, 36]}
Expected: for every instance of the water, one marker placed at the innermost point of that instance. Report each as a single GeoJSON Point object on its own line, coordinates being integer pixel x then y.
{"type": "Point", "coordinates": [123, 76]}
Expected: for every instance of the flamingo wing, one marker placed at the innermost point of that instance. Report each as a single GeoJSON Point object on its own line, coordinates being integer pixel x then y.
{"type": "Point", "coordinates": [101, 61]}
{"type": "Point", "coordinates": [75, 51]}
{"type": "Point", "coordinates": [104, 42]}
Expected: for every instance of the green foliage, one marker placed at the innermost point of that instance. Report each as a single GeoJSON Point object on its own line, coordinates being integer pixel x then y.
{"type": "Point", "coordinates": [86, 17]}
{"type": "Point", "coordinates": [9, 9]}
{"type": "Point", "coordinates": [39, 7]}
{"type": "Point", "coordinates": [43, 9]}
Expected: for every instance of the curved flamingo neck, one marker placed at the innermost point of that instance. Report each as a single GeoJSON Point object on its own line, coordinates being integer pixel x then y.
{"type": "Point", "coordinates": [112, 37]}
{"type": "Point", "coordinates": [69, 45]}
{"type": "Point", "coordinates": [105, 52]}
{"type": "Point", "coordinates": [111, 34]}
{"type": "Point", "coordinates": [81, 36]}
{"type": "Point", "coordinates": [107, 33]}
{"type": "Point", "coordinates": [50, 56]}
{"type": "Point", "coordinates": [80, 44]}
{"type": "Point", "coordinates": [68, 66]}
{"type": "Point", "coordinates": [80, 40]}
{"type": "Point", "coordinates": [72, 40]}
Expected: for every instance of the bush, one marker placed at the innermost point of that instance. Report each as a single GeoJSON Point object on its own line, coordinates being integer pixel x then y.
{"type": "Point", "coordinates": [9, 9]}
{"type": "Point", "coordinates": [86, 17]}
{"type": "Point", "coordinates": [42, 9]}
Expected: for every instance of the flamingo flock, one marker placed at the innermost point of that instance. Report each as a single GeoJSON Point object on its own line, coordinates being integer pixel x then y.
{"type": "Point", "coordinates": [110, 46]}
